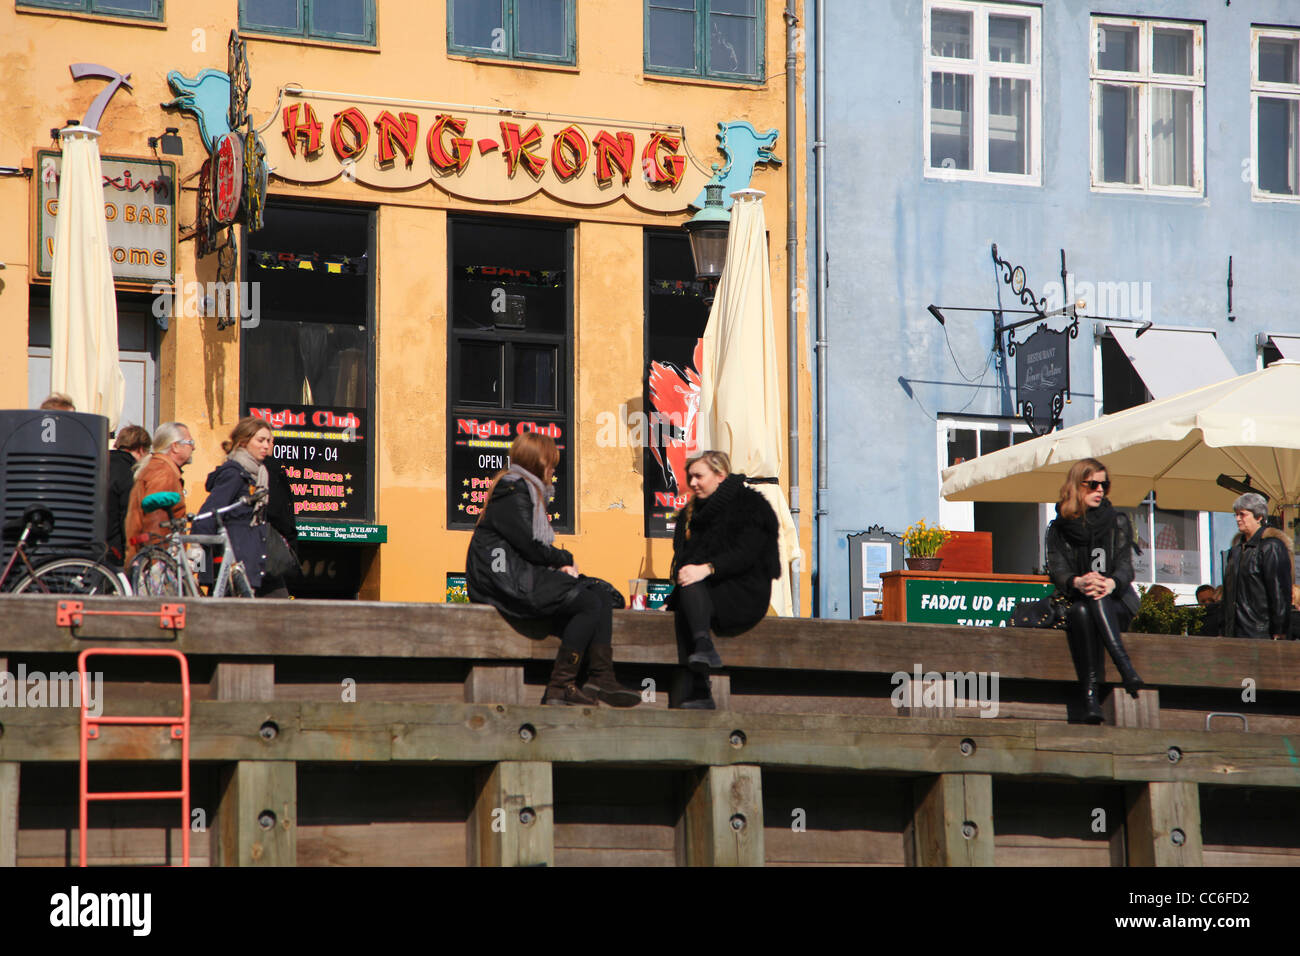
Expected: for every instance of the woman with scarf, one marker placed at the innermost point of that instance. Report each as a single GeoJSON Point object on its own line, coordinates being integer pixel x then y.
{"type": "Point", "coordinates": [1089, 558]}
{"type": "Point", "coordinates": [243, 472]}
{"type": "Point", "coordinates": [513, 565]}
{"type": "Point", "coordinates": [725, 557]}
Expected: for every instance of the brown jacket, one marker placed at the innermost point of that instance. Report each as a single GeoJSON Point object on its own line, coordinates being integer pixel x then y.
{"type": "Point", "coordinates": [159, 474]}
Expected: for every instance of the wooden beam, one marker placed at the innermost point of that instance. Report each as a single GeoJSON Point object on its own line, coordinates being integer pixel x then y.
{"type": "Point", "coordinates": [1121, 710]}
{"type": "Point", "coordinates": [257, 815]}
{"type": "Point", "coordinates": [512, 822]}
{"type": "Point", "coordinates": [242, 680]}
{"type": "Point", "coordinates": [723, 820]}
{"type": "Point", "coordinates": [1164, 825]}
{"type": "Point", "coordinates": [952, 823]}
{"type": "Point", "coordinates": [9, 773]}
{"type": "Point", "coordinates": [496, 684]}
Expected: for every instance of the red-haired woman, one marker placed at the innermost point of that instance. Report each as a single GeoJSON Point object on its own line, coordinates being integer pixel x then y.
{"type": "Point", "coordinates": [1089, 557]}
{"type": "Point", "coordinates": [513, 564]}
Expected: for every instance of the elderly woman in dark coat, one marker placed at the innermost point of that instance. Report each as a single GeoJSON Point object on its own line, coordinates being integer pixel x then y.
{"type": "Point", "coordinates": [725, 557]}
{"type": "Point", "coordinates": [514, 565]}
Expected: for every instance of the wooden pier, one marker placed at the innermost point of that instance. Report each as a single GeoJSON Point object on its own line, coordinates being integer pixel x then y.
{"type": "Point", "coordinates": [329, 733]}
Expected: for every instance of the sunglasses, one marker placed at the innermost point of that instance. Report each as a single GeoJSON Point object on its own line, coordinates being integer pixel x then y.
{"type": "Point", "coordinates": [185, 441]}
{"type": "Point", "coordinates": [1094, 485]}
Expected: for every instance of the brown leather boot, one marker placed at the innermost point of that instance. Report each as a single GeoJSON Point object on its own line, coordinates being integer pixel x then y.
{"type": "Point", "coordinates": [601, 681]}
{"type": "Point", "coordinates": [563, 688]}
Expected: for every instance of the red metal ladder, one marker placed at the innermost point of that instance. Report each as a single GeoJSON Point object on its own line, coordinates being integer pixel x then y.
{"type": "Point", "coordinates": [180, 730]}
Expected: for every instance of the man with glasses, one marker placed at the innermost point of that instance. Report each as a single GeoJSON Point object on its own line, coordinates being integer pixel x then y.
{"type": "Point", "coordinates": [173, 448]}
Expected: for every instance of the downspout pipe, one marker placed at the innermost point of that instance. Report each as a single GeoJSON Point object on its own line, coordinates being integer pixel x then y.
{"type": "Point", "coordinates": [823, 347]}
{"type": "Point", "coordinates": [792, 274]}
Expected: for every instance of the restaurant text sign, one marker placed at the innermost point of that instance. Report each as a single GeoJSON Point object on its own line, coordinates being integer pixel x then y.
{"type": "Point", "coordinates": [139, 211]}
{"type": "Point", "coordinates": [972, 603]}
{"type": "Point", "coordinates": [494, 155]}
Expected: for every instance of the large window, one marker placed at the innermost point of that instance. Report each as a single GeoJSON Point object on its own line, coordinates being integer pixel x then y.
{"type": "Point", "coordinates": [144, 9]}
{"type": "Point", "coordinates": [1148, 84]}
{"type": "Point", "coordinates": [722, 39]}
{"type": "Point", "coordinates": [348, 21]}
{"type": "Point", "coordinates": [513, 29]}
{"type": "Point", "coordinates": [983, 80]}
{"type": "Point", "coordinates": [510, 302]}
{"type": "Point", "coordinates": [1275, 113]}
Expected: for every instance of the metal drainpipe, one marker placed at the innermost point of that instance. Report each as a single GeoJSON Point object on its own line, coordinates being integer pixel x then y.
{"type": "Point", "coordinates": [792, 276]}
{"type": "Point", "coordinates": [819, 166]}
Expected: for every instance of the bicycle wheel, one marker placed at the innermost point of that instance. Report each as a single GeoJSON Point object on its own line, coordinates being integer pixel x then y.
{"type": "Point", "coordinates": [238, 583]}
{"type": "Point", "coordinates": [74, 576]}
{"type": "Point", "coordinates": [154, 572]}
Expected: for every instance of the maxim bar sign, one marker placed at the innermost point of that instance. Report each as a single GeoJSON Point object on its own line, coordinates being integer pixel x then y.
{"type": "Point", "coordinates": [497, 155]}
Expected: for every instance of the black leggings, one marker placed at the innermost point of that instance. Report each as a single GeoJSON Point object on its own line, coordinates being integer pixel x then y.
{"type": "Point", "coordinates": [1089, 626]}
{"type": "Point", "coordinates": [586, 619]}
{"type": "Point", "coordinates": [692, 617]}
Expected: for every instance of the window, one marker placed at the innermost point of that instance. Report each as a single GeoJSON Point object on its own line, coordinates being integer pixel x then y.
{"type": "Point", "coordinates": [1275, 113]}
{"type": "Point", "coordinates": [508, 350]}
{"type": "Point", "coordinates": [348, 21]}
{"type": "Point", "coordinates": [513, 29]}
{"type": "Point", "coordinates": [983, 80]}
{"type": "Point", "coordinates": [722, 39]}
{"type": "Point", "coordinates": [1148, 85]}
{"type": "Point", "coordinates": [144, 9]}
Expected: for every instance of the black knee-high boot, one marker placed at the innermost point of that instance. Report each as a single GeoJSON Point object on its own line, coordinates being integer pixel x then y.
{"type": "Point", "coordinates": [1106, 620]}
{"type": "Point", "coordinates": [696, 606]}
{"type": "Point", "coordinates": [1085, 648]}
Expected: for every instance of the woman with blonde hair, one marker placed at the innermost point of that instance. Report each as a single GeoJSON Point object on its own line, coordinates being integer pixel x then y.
{"type": "Point", "coordinates": [725, 557]}
{"type": "Point", "coordinates": [513, 565]}
{"type": "Point", "coordinates": [1089, 558]}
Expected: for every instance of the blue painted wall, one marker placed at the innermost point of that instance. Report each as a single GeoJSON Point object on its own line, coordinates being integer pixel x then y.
{"type": "Point", "coordinates": [897, 241]}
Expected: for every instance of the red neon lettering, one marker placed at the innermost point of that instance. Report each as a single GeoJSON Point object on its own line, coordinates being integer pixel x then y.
{"type": "Point", "coordinates": [458, 157]}
{"type": "Point", "coordinates": [667, 168]}
{"type": "Point", "coordinates": [612, 152]}
{"type": "Point", "coordinates": [519, 149]}
{"type": "Point", "coordinates": [354, 121]}
{"type": "Point", "coordinates": [569, 152]}
{"type": "Point", "coordinates": [401, 134]}
{"type": "Point", "coordinates": [308, 129]}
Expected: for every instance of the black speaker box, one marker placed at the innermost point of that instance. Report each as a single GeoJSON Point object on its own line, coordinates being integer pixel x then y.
{"type": "Point", "coordinates": [59, 460]}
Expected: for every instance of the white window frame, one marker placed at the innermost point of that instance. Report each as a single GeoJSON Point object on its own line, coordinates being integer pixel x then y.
{"type": "Point", "coordinates": [1275, 91]}
{"type": "Point", "coordinates": [981, 70]}
{"type": "Point", "coordinates": [1144, 80]}
{"type": "Point", "coordinates": [960, 515]}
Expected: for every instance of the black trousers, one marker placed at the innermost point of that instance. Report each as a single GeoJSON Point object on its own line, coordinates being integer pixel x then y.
{"type": "Point", "coordinates": [586, 619]}
{"type": "Point", "coordinates": [691, 618]}
{"type": "Point", "coordinates": [1091, 625]}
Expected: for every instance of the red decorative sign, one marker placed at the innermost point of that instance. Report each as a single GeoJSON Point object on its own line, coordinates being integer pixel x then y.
{"type": "Point", "coordinates": [227, 177]}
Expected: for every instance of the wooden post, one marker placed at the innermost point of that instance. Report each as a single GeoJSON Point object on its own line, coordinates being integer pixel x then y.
{"type": "Point", "coordinates": [952, 823]}
{"type": "Point", "coordinates": [257, 815]}
{"type": "Point", "coordinates": [1164, 825]}
{"type": "Point", "coordinates": [723, 822]}
{"type": "Point", "coordinates": [512, 822]}
{"type": "Point", "coordinates": [495, 684]}
{"type": "Point", "coordinates": [9, 772]}
{"type": "Point", "coordinates": [243, 681]}
{"type": "Point", "coordinates": [1123, 711]}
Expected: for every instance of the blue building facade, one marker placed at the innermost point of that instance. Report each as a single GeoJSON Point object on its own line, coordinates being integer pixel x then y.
{"type": "Point", "coordinates": [1150, 141]}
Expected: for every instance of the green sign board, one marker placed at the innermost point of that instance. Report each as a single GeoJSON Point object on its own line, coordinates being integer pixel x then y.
{"type": "Point", "coordinates": [343, 533]}
{"type": "Point", "coordinates": [457, 589]}
{"type": "Point", "coordinates": [658, 591]}
{"type": "Point", "coordinates": [974, 603]}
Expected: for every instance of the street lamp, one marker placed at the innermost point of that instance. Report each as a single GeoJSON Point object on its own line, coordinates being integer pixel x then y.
{"type": "Point", "coordinates": [708, 232]}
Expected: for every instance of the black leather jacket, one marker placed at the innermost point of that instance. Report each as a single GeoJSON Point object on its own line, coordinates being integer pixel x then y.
{"type": "Point", "coordinates": [1112, 555]}
{"type": "Point", "coordinates": [1257, 585]}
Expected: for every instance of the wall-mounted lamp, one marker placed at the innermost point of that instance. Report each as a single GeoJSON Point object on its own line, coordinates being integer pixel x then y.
{"type": "Point", "coordinates": [708, 231]}
{"type": "Point", "coordinates": [56, 132]}
{"type": "Point", "coordinates": [934, 311]}
{"type": "Point", "coordinates": [171, 142]}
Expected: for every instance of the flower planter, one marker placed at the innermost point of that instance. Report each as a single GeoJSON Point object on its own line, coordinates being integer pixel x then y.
{"type": "Point", "coordinates": [923, 564]}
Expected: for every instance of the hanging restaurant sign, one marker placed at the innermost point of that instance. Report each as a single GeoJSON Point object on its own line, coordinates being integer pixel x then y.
{"type": "Point", "coordinates": [501, 155]}
{"type": "Point", "coordinates": [1043, 378]}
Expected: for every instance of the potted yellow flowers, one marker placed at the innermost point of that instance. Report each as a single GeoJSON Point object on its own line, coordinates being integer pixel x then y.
{"type": "Point", "coordinates": [922, 542]}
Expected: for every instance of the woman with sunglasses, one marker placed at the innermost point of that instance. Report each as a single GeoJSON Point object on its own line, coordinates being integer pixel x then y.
{"type": "Point", "coordinates": [1089, 558]}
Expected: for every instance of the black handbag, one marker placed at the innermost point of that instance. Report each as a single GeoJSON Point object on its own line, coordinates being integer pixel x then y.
{"type": "Point", "coordinates": [281, 560]}
{"type": "Point", "coordinates": [1046, 612]}
{"type": "Point", "coordinates": [603, 587]}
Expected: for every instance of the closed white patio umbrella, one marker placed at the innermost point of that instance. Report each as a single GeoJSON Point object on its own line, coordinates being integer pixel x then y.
{"type": "Point", "coordinates": [83, 307]}
{"type": "Point", "coordinates": [740, 393]}
{"type": "Point", "coordinates": [1248, 426]}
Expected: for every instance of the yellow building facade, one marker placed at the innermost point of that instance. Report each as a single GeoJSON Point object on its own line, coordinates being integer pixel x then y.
{"type": "Point", "coordinates": [471, 226]}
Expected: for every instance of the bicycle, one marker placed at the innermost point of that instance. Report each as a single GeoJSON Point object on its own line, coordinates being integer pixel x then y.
{"type": "Point", "coordinates": [56, 575]}
{"type": "Point", "coordinates": [166, 569]}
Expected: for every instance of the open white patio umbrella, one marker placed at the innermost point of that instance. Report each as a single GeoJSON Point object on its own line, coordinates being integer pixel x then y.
{"type": "Point", "coordinates": [83, 307]}
{"type": "Point", "coordinates": [740, 385]}
{"type": "Point", "coordinates": [1178, 447]}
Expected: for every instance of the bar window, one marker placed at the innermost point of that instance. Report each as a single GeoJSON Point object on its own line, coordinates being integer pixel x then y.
{"type": "Point", "coordinates": [346, 21]}
{"type": "Point", "coordinates": [143, 9]}
{"type": "Point", "coordinates": [513, 29]}
{"type": "Point", "coordinates": [1275, 114]}
{"type": "Point", "coordinates": [722, 39]}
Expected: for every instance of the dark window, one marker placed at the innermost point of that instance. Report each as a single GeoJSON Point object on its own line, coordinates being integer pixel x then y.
{"type": "Point", "coordinates": [509, 300]}
{"type": "Point", "coordinates": [1121, 386]}
{"type": "Point", "coordinates": [349, 21]}
{"type": "Point", "coordinates": [144, 9]}
{"type": "Point", "coordinates": [713, 38]}
{"type": "Point", "coordinates": [513, 29]}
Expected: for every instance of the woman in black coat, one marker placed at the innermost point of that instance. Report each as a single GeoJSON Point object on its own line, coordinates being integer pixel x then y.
{"type": "Point", "coordinates": [725, 557]}
{"type": "Point", "coordinates": [1089, 558]}
{"type": "Point", "coordinates": [514, 565]}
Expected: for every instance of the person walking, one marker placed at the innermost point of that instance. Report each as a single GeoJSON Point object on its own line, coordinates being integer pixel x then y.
{"type": "Point", "coordinates": [513, 565]}
{"type": "Point", "coordinates": [1089, 559]}
{"type": "Point", "coordinates": [725, 557]}
{"type": "Point", "coordinates": [161, 471]}
{"type": "Point", "coordinates": [129, 447]}
{"type": "Point", "coordinates": [1260, 573]}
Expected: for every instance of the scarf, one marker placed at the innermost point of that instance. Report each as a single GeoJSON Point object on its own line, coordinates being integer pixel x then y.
{"type": "Point", "coordinates": [702, 511]}
{"type": "Point", "coordinates": [1090, 526]}
{"type": "Point", "coordinates": [257, 470]}
{"type": "Point", "coordinates": [540, 496]}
